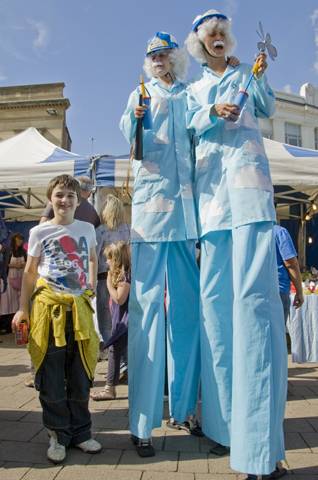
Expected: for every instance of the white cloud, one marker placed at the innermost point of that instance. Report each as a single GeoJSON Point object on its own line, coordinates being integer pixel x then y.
{"type": "Point", "coordinates": [314, 21]}
{"type": "Point", "coordinates": [287, 88]}
{"type": "Point", "coordinates": [42, 34]}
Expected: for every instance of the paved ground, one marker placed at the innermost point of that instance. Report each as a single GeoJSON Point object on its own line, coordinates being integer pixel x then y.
{"type": "Point", "coordinates": [23, 441]}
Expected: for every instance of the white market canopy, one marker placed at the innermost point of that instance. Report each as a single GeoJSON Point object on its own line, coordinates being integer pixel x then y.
{"type": "Point", "coordinates": [293, 166]}
{"type": "Point", "coordinates": [28, 161]}
{"type": "Point", "coordinates": [290, 166]}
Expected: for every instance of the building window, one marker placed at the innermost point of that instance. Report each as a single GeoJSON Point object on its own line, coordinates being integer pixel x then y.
{"type": "Point", "coordinates": [316, 138]}
{"type": "Point", "coordinates": [293, 134]}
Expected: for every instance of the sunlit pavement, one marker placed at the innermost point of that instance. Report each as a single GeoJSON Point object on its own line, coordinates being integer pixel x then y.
{"type": "Point", "coordinates": [23, 440]}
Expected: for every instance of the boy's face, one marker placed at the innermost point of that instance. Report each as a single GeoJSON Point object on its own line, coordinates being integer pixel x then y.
{"type": "Point", "coordinates": [64, 202]}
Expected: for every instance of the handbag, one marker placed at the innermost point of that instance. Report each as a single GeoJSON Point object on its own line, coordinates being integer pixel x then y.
{"type": "Point", "coordinates": [15, 282]}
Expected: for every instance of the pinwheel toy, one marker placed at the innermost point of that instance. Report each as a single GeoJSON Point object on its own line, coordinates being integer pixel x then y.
{"type": "Point", "coordinates": [265, 45]}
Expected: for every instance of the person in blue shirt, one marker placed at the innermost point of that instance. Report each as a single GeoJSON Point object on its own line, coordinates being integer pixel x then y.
{"type": "Point", "coordinates": [163, 235]}
{"type": "Point", "coordinates": [243, 345]}
{"type": "Point", "coordinates": [288, 269]}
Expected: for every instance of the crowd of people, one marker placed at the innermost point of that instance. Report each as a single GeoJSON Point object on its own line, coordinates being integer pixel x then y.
{"type": "Point", "coordinates": [13, 259]}
{"type": "Point", "coordinates": [218, 328]}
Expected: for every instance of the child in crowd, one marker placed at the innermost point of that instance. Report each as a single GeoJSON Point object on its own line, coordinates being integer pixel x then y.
{"type": "Point", "coordinates": [112, 229]}
{"type": "Point", "coordinates": [59, 277]}
{"type": "Point", "coordinates": [118, 285]}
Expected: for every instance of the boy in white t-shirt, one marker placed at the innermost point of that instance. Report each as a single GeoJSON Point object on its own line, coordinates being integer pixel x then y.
{"type": "Point", "coordinates": [59, 278]}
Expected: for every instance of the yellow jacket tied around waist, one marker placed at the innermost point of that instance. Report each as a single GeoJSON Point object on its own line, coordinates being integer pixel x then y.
{"type": "Point", "coordinates": [50, 307]}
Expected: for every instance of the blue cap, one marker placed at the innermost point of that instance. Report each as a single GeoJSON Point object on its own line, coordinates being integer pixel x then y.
{"type": "Point", "coordinates": [161, 41]}
{"type": "Point", "coordinates": [206, 16]}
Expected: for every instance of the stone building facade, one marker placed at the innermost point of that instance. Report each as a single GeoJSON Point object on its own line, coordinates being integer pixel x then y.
{"type": "Point", "coordinates": [296, 118]}
{"type": "Point", "coordinates": [42, 106]}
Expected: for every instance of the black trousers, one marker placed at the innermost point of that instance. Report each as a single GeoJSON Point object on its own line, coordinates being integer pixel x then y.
{"type": "Point", "coordinates": [115, 353]}
{"type": "Point", "coordinates": [64, 390]}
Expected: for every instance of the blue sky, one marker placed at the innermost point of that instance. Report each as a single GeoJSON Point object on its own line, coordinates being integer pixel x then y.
{"type": "Point", "coordinates": [97, 48]}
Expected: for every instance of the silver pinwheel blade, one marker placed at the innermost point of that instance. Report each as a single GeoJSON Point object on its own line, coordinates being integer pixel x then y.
{"type": "Point", "coordinates": [261, 31]}
{"type": "Point", "coordinates": [272, 51]}
{"type": "Point", "coordinates": [266, 43]}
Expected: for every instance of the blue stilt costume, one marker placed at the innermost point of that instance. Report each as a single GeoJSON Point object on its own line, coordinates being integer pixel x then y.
{"type": "Point", "coordinates": [163, 256]}
{"type": "Point", "coordinates": [243, 349]}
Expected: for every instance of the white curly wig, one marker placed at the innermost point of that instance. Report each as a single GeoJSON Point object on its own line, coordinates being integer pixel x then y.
{"type": "Point", "coordinates": [179, 60]}
{"type": "Point", "coordinates": [194, 41]}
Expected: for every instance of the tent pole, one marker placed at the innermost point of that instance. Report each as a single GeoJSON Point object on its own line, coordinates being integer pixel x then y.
{"type": "Point", "coordinates": [28, 202]}
{"type": "Point", "coordinates": [304, 243]}
{"type": "Point", "coordinates": [302, 239]}
{"type": "Point", "coordinates": [92, 173]}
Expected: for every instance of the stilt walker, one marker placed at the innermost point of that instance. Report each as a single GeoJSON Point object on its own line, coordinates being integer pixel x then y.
{"type": "Point", "coordinates": [244, 358]}
{"type": "Point", "coordinates": [163, 248]}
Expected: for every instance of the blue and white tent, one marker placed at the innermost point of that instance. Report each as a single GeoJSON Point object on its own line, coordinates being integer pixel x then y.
{"type": "Point", "coordinates": [292, 165]}
{"type": "Point", "coordinates": [112, 171]}
{"type": "Point", "coordinates": [28, 161]}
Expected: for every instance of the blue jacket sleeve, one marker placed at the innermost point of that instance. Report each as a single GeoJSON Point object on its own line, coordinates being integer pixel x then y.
{"type": "Point", "coordinates": [128, 121]}
{"type": "Point", "coordinates": [264, 98]}
{"type": "Point", "coordinates": [198, 116]}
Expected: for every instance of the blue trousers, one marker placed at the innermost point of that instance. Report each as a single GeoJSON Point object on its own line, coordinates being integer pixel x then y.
{"type": "Point", "coordinates": [243, 347]}
{"type": "Point", "coordinates": [154, 267]}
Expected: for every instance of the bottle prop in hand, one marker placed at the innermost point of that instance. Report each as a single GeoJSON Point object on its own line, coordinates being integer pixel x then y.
{"type": "Point", "coordinates": [146, 98]}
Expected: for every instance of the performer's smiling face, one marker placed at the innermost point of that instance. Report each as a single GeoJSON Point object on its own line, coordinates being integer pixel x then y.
{"type": "Point", "coordinates": [215, 43]}
{"type": "Point", "coordinates": [160, 63]}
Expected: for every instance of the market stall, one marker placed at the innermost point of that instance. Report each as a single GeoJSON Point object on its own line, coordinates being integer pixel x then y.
{"type": "Point", "coordinates": [28, 161]}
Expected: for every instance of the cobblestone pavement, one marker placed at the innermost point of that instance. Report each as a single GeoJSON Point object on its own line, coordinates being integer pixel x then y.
{"type": "Point", "coordinates": [23, 440]}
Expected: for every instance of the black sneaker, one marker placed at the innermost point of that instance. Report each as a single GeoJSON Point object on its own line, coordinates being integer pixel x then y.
{"type": "Point", "coordinates": [143, 446]}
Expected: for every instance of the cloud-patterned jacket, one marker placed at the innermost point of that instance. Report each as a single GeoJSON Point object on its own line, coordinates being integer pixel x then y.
{"type": "Point", "coordinates": [232, 178]}
{"type": "Point", "coordinates": [163, 204]}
